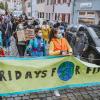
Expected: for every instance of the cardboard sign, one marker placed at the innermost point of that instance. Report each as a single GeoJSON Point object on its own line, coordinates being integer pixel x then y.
{"type": "Point", "coordinates": [29, 34]}
{"type": "Point", "coordinates": [21, 35]}
{"type": "Point", "coordinates": [25, 35]}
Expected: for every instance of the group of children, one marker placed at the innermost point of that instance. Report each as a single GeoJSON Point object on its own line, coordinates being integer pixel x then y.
{"type": "Point", "coordinates": [43, 44]}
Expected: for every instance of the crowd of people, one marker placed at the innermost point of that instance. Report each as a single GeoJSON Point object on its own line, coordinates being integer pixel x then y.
{"type": "Point", "coordinates": [39, 45]}
{"type": "Point", "coordinates": [46, 40]}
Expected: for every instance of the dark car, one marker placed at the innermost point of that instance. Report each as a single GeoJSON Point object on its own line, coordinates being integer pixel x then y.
{"type": "Point", "coordinates": [92, 53]}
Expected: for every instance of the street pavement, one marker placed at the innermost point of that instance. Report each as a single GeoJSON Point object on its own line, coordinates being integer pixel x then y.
{"type": "Point", "coordinates": [87, 93]}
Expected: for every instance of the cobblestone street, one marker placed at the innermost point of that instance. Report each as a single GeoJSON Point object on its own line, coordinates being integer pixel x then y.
{"type": "Point", "coordinates": [88, 93]}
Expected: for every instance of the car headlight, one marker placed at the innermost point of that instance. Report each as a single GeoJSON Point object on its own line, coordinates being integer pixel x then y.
{"type": "Point", "coordinates": [98, 48]}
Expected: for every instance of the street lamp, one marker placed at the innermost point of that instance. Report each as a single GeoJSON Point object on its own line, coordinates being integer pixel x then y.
{"type": "Point", "coordinates": [73, 11]}
{"type": "Point", "coordinates": [53, 10]}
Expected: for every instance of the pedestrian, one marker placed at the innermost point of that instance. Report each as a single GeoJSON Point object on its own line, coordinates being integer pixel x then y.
{"type": "Point", "coordinates": [14, 25]}
{"type": "Point", "coordinates": [46, 31]}
{"type": "Point", "coordinates": [1, 33]}
{"type": "Point", "coordinates": [81, 43]}
{"type": "Point", "coordinates": [70, 35]}
{"type": "Point", "coordinates": [58, 46]}
{"type": "Point", "coordinates": [62, 30]}
{"type": "Point", "coordinates": [7, 30]}
{"type": "Point", "coordinates": [1, 41]}
{"type": "Point", "coordinates": [38, 44]}
{"type": "Point", "coordinates": [13, 46]}
{"type": "Point", "coordinates": [24, 16]}
{"type": "Point", "coordinates": [21, 45]}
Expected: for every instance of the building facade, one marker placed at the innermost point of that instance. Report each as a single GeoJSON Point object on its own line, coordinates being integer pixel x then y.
{"type": "Point", "coordinates": [60, 10]}
{"type": "Point", "coordinates": [41, 9]}
{"type": "Point", "coordinates": [17, 7]}
{"type": "Point", "coordinates": [28, 7]}
{"type": "Point", "coordinates": [14, 6]}
{"type": "Point", "coordinates": [86, 11]}
{"type": "Point", "coordinates": [63, 10]}
{"type": "Point", "coordinates": [34, 8]}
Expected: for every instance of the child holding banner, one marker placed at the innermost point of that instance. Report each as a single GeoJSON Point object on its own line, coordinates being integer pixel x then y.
{"type": "Point", "coordinates": [58, 46]}
{"type": "Point", "coordinates": [37, 45]}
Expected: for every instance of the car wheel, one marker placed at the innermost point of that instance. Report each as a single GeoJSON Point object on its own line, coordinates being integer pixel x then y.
{"type": "Point", "coordinates": [91, 57]}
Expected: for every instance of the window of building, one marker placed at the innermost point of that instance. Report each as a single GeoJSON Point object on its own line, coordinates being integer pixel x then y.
{"type": "Point", "coordinates": [82, 13]}
{"type": "Point", "coordinates": [63, 17]}
{"type": "Point", "coordinates": [55, 2]}
{"type": "Point", "coordinates": [49, 16]}
{"type": "Point", "coordinates": [40, 1]}
{"type": "Point", "coordinates": [59, 1]}
{"type": "Point", "coordinates": [64, 1]}
{"type": "Point", "coordinates": [59, 16]}
{"type": "Point", "coordinates": [46, 15]}
{"type": "Point", "coordinates": [29, 4]}
{"type": "Point", "coordinates": [68, 1]}
{"type": "Point", "coordinates": [90, 13]}
{"type": "Point", "coordinates": [55, 16]}
{"type": "Point", "coordinates": [42, 14]}
{"type": "Point", "coordinates": [47, 2]}
{"type": "Point", "coordinates": [67, 19]}
{"type": "Point", "coordinates": [29, 14]}
{"type": "Point", "coordinates": [38, 14]}
{"type": "Point", "coordinates": [52, 2]}
{"type": "Point", "coordinates": [86, 21]}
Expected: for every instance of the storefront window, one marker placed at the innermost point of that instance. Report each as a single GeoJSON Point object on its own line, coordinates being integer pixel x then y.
{"type": "Point", "coordinates": [82, 13]}
{"type": "Point", "coordinates": [29, 4]}
{"type": "Point", "coordinates": [86, 21]}
{"type": "Point", "coordinates": [90, 13]}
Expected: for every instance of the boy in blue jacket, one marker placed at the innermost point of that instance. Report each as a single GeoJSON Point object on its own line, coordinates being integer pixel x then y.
{"type": "Point", "coordinates": [37, 45]}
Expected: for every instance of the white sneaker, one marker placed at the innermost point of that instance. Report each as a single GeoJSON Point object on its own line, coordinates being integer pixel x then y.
{"type": "Point", "coordinates": [56, 92]}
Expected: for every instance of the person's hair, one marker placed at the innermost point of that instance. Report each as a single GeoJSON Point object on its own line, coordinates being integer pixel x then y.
{"type": "Point", "coordinates": [19, 21]}
{"type": "Point", "coordinates": [51, 35]}
{"type": "Point", "coordinates": [36, 30]}
{"type": "Point", "coordinates": [14, 35]}
{"type": "Point", "coordinates": [81, 29]}
{"type": "Point", "coordinates": [6, 13]}
{"type": "Point", "coordinates": [44, 22]}
{"type": "Point", "coordinates": [56, 25]}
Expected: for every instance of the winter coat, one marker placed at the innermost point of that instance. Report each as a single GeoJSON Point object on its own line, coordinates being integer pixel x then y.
{"type": "Point", "coordinates": [81, 43]}
{"type": "Point", "coordinates": [38, 47]}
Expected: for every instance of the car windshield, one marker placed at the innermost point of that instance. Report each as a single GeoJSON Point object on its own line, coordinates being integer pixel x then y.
{"type": "Point", "coordinates": [97, 31]}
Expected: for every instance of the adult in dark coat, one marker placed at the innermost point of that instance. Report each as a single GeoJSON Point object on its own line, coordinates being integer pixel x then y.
{"type": "Point", "coordinates": [81, 43]}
